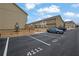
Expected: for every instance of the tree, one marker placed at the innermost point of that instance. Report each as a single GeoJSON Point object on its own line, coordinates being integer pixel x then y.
{"type": "Point", "coordinates": [17, 27]}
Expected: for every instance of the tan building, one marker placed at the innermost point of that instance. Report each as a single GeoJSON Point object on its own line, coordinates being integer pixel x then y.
{"type": "Point", "coordinates": [55, 21]}
{"type": "Point", "coordinates": [10, 14]}
{"type": "Point", "coordinates": [70, 25]}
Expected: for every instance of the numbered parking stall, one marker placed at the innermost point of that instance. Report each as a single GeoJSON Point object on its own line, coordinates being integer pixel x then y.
{"type": "Point", "coordinates": [26, 46]}
{"type": "Point", "coordinates": [48, 37]}
{"type": "Point", "coordinates": [40, 44]}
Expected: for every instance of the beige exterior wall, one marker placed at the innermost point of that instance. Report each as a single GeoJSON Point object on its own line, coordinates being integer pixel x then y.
{"type": "Point", "coordinates": [9, 15]}
{"type": "Point", "coordinates": [59, 22]}
{"type": "Point", "coordinates": [70, 26]}
{"type": "Point", "coordinates": [50, 22]}
{"type": "Point", "coordinates": [40, 24]}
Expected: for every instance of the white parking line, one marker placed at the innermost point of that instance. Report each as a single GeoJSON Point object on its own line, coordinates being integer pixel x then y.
{"type": "Point", "coordinates": [63, 36]}
{"type": "Point", "coordinates": [55, 40]}
{"type": "Point", "coordinates": [6, 47]}
{"type": "Point", "coordinates": [34, 51]}
{"type": "Point", "coordinates": [41, 41]}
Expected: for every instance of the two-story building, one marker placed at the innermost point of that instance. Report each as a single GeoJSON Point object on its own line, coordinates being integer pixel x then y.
{"type": "Point", "coordinates": [70, 25]}
{"type": "Point", "coordinates": [10, 14]}
{"type": "Point", "coordinates": [55, 21]}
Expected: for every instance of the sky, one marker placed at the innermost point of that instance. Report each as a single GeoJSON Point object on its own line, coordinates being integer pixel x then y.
{"type": "Point", "coordinates": [39, 11]}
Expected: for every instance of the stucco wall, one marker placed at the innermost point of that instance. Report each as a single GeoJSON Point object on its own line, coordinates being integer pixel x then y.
{"type": "Point", "coordinates": [9, 15]}
{"type": "Point", "coordinates": [59, 22]}
{"type": "Point", "coordinates": [70, 25]}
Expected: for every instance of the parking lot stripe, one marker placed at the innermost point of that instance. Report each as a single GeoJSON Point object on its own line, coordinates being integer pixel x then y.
{"type": "Point", "coordinates": [41, 41]}
{"type": "Point", "coordinates": [6, 47]}
{"type": "Point", "coordinates": [55, 40]}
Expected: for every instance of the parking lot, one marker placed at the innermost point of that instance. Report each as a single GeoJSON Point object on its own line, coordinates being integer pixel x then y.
{"type": "Point", "coordinates": [39, 44]}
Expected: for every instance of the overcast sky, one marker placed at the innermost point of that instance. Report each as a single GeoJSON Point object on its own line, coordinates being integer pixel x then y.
{"type": "Point", "coordinates": [39, 11]}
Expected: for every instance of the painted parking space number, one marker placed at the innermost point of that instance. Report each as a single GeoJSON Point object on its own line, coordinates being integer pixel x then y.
{"type": "Point", "coordinates": [34, 51]}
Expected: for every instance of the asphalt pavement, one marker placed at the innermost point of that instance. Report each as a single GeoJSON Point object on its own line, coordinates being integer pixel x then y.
{"type": "Point", "coordinates": [2, 45]}
{"type": "Point", "coordinates": [42, 44]}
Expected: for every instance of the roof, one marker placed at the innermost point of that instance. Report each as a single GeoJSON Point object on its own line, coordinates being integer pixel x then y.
{"type": "Point", "coordinates": [50, 18]}
{"type": "Point", "coordinates": [20, 8]}
{"type": "Point", "coordinates": [69, 22]}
